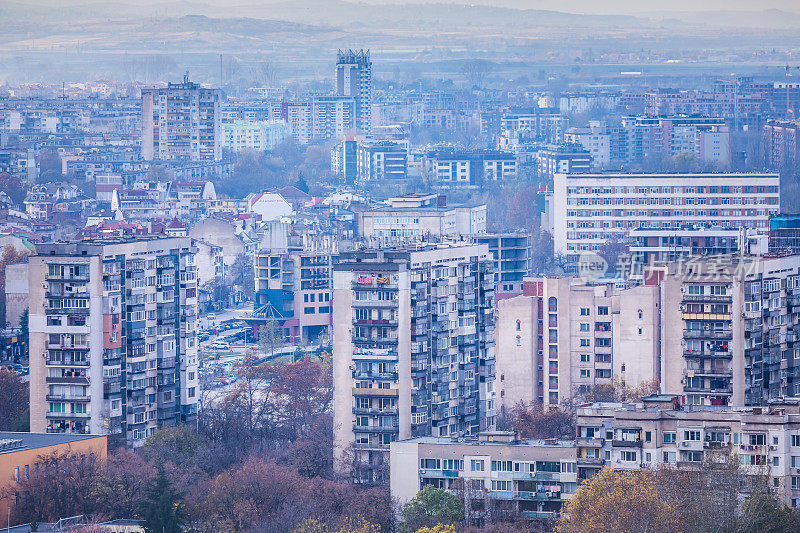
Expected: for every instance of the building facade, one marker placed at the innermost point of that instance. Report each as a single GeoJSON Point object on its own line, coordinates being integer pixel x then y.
{"type": "Point", "coordinates": [729, 327]}
{"type": "Point", "coordinates": [498, 476]}
{"type": "Point", "coordinates": [181, 122]}
{"type": "Point", "coordinates": [112, 337]}
{"type": "Point", "coordinates": [354, 79]}
{"type": "Point", "coordinates": [562, 337]}
{"type": "Point", "coordinates": [589, 210]}
{"type": "Point", "coordinates": [413, 349]}
{"type": "Point", "coordinates": [662, 432]}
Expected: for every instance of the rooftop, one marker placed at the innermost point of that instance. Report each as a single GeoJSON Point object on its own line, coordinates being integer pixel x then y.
{"type": "Point", "coordinates": [11, 441]}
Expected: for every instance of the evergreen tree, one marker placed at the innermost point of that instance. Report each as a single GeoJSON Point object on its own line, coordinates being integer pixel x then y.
{"type": "Point", "coordinates": [162, 509]}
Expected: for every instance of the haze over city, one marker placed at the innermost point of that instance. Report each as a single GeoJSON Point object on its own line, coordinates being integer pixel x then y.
{"type": "Point", "coordinates": [400, 267]}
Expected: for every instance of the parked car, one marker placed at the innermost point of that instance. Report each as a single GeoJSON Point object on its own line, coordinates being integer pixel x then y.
{"type": "Point", "coordinates": [220, 345]}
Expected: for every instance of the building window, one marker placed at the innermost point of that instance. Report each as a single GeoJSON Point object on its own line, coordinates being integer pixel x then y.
{"type": "Point", "coordinates": [476, 465]}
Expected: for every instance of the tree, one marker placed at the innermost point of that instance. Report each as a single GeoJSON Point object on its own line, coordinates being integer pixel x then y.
{"type": "Point", "coordinates": [431, 507]}
{"type": "Point", "coordinates": [763, 513]}
{"type": "Point", "coordinates": [162, 508]}
{"type": "Point", "coordinates": [121, 484]}
{"type": "Point", "coordinates": [242, 273]}
{"type": "Point", "coordinates": [14, 401]}
{"type": "Point", "coordinates": [438, 528]}
{"type": "Point", "coordinates": [533, 422]}
{"type": "Point", "coordinates": [177, 444]}
{"type": "Point", "coordinates": [301, 184]}
{"type": "Point", "coordinates": [13, 187]}
{"type": "Point", "coordinates": [60, 486]}
{"type": "Point", "coordinates": [49, 166]}
{"type": "Point", "coordinates": [618, 501]}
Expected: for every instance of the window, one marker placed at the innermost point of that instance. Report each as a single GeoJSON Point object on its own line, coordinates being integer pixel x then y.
{"type": "Point", "coordinates": [627, 456]}
{"type": "Point", "coordinates": [691, 435]}
{"type": "Point", "coordinates": [501, 466]}
{"type": "Point", "coordinates": [502, 485]}
{"type": "Point", "coordinates": [602, 310]}
{"type": "Point", "coordinates": [476, 465]}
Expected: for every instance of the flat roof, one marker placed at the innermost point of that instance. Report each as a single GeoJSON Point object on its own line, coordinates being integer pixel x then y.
{"type": "Point", "coordinates": [32, 441]}
{"type": "Point", "coordinates": [477, 442]}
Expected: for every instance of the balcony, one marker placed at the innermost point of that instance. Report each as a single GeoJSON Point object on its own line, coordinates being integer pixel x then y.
{"type": "Point", "coordinates": [590, 461]}
{"type": "Point", "coordinates": [501, 494]}
{"type": "Point", "coordinates": [706, 334]}
{"type": "Point", "coordinates": [710, 372]}
{"type": "Point", "coordinates": [529, 495]}
{"type": "Point", "coordinates": [696, 354]}
{"type": "Point", "coordinates": [627, 443]}
{"type": "Point", "coordinates": [51, 414]}
{"type": "Point", "coordinates": [539, 515]}
{"type": "Point", "coordinates": [67, 380]}
{"type": "Point", "coordinates": [375, 411]}
{"type": "Point", "coordinates": [375, 429]}
{"type": "Point", "coordinates": [716, 298]}
{"type": "Point", "coordinates": [375, 392]}
{"type": "Point", "coordinates": [66, 361]}
{"type": "Point", "coordinates": [374, 375]}
{"type": "Point", "coordinates": [67, 398]}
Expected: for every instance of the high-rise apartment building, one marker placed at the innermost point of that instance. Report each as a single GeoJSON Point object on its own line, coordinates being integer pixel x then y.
{"type": "Point", "coordinates": [413, 349]}
{"type": "Point", "coordinates": [730, 330]}
{"type": "Point", "coordinates": [294, 279]}
{"type": "Point", "coordinates": [181, 122]}
{"type": "Point", "coordinates": [512, 260]}
{"type": "Point", "coordinates": [112, 337]}
{"type": "Point", "coordinates": [354, 78]}
{"type": "Point", "coordinates": [562, 337]}
{"type": "Point", "coordinates": [590, 209]}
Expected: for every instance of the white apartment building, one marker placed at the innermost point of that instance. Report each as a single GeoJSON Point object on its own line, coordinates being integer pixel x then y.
{"type": "Point", "coordinates": [595, 140]}
{"type": "Point", "coordinates": [661, 431]}
{"type": "Point", "coordinates": [418, 215]}
{"type": "Point", "coordinates": [413, 349]}
{"type": "Point", "coordinates": [588, 210]}
{"type": "Point", "coordinates": [497, 475]}
{"type": "Point", "coordinates": [562, 337]}
{"type": "Point", "coordinates": [112, 337]}
{"type": "Point", "coordinates": [254, 135]}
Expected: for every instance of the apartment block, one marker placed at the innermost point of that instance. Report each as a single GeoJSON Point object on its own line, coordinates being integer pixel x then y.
{"type": "Point", "coordinates": [512, 260]}
{"type": "Point", "coordinates": [497, 475]}
{"type": "Point", "coordinates": [660, 431]}
{"type": "Point", "coordinates": [452, 168]}
{"type": "Point", "coordinates": [112, 337]}
{"type": "Point", "coordinates": [562, 337]}
{"type": "Point", "coordinates": [413, 349]}
{"type": "Point", "coordinates": [540, 124]}
{"type": "Point", "coordinates": [784, 234]}
{"type": "Point", "coordinates": [354, 79]}
{"type": "Point", "coordinates": [294, 281]}
{"type": "Point", "coordinates": [662, 245]}
{"type": "Point", "coordinates": [254, 135]}
{"type": "Point", "coordinates": [563, 159]}
{"type": "Point", "coordinates": [781, 144]}
{"type": "Point", "coordinates": [421, 215]}
{"type": "Point", "coordinates": [379, 161]}
{"type": "Point", "coordinates": [181, 122]}
{"type": "Point", "coordinates": [333, 116]}
{"type": "Point", "coordinates": [590, 209]}
{"type": "Point", "coordinates": [729, 330]}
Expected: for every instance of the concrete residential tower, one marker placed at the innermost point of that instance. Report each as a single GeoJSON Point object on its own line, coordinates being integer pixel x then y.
{"type": "Point", "coordinates": [354, 78]}
{"type": "Point", "coordinates": [413, 349]}
{"type": "Point", "coordinates": [112, 337]}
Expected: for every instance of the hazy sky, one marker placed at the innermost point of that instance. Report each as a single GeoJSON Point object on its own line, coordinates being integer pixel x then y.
{"type": "Point", "coordinates": [578, 6]}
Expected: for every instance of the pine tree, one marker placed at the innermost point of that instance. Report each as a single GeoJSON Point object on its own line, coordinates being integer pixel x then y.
{"type": "Point", "coordinates": [162, 509]}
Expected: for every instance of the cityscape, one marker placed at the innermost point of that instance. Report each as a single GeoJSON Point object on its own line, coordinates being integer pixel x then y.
{"type": "Point", "coordinates": [338, 267]}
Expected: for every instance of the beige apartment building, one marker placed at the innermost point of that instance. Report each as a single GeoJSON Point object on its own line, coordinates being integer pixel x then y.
{"type": "Point", "coordinates": [661, 431]}
{"type": "Point", "coordinates": [112, 337]}
{"type": "Point", "coordinates": [562, 336]}
{"type": "Point", "coordinates": [499, 476]}
{"type": "Point", "coordinates": [413, 349]}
